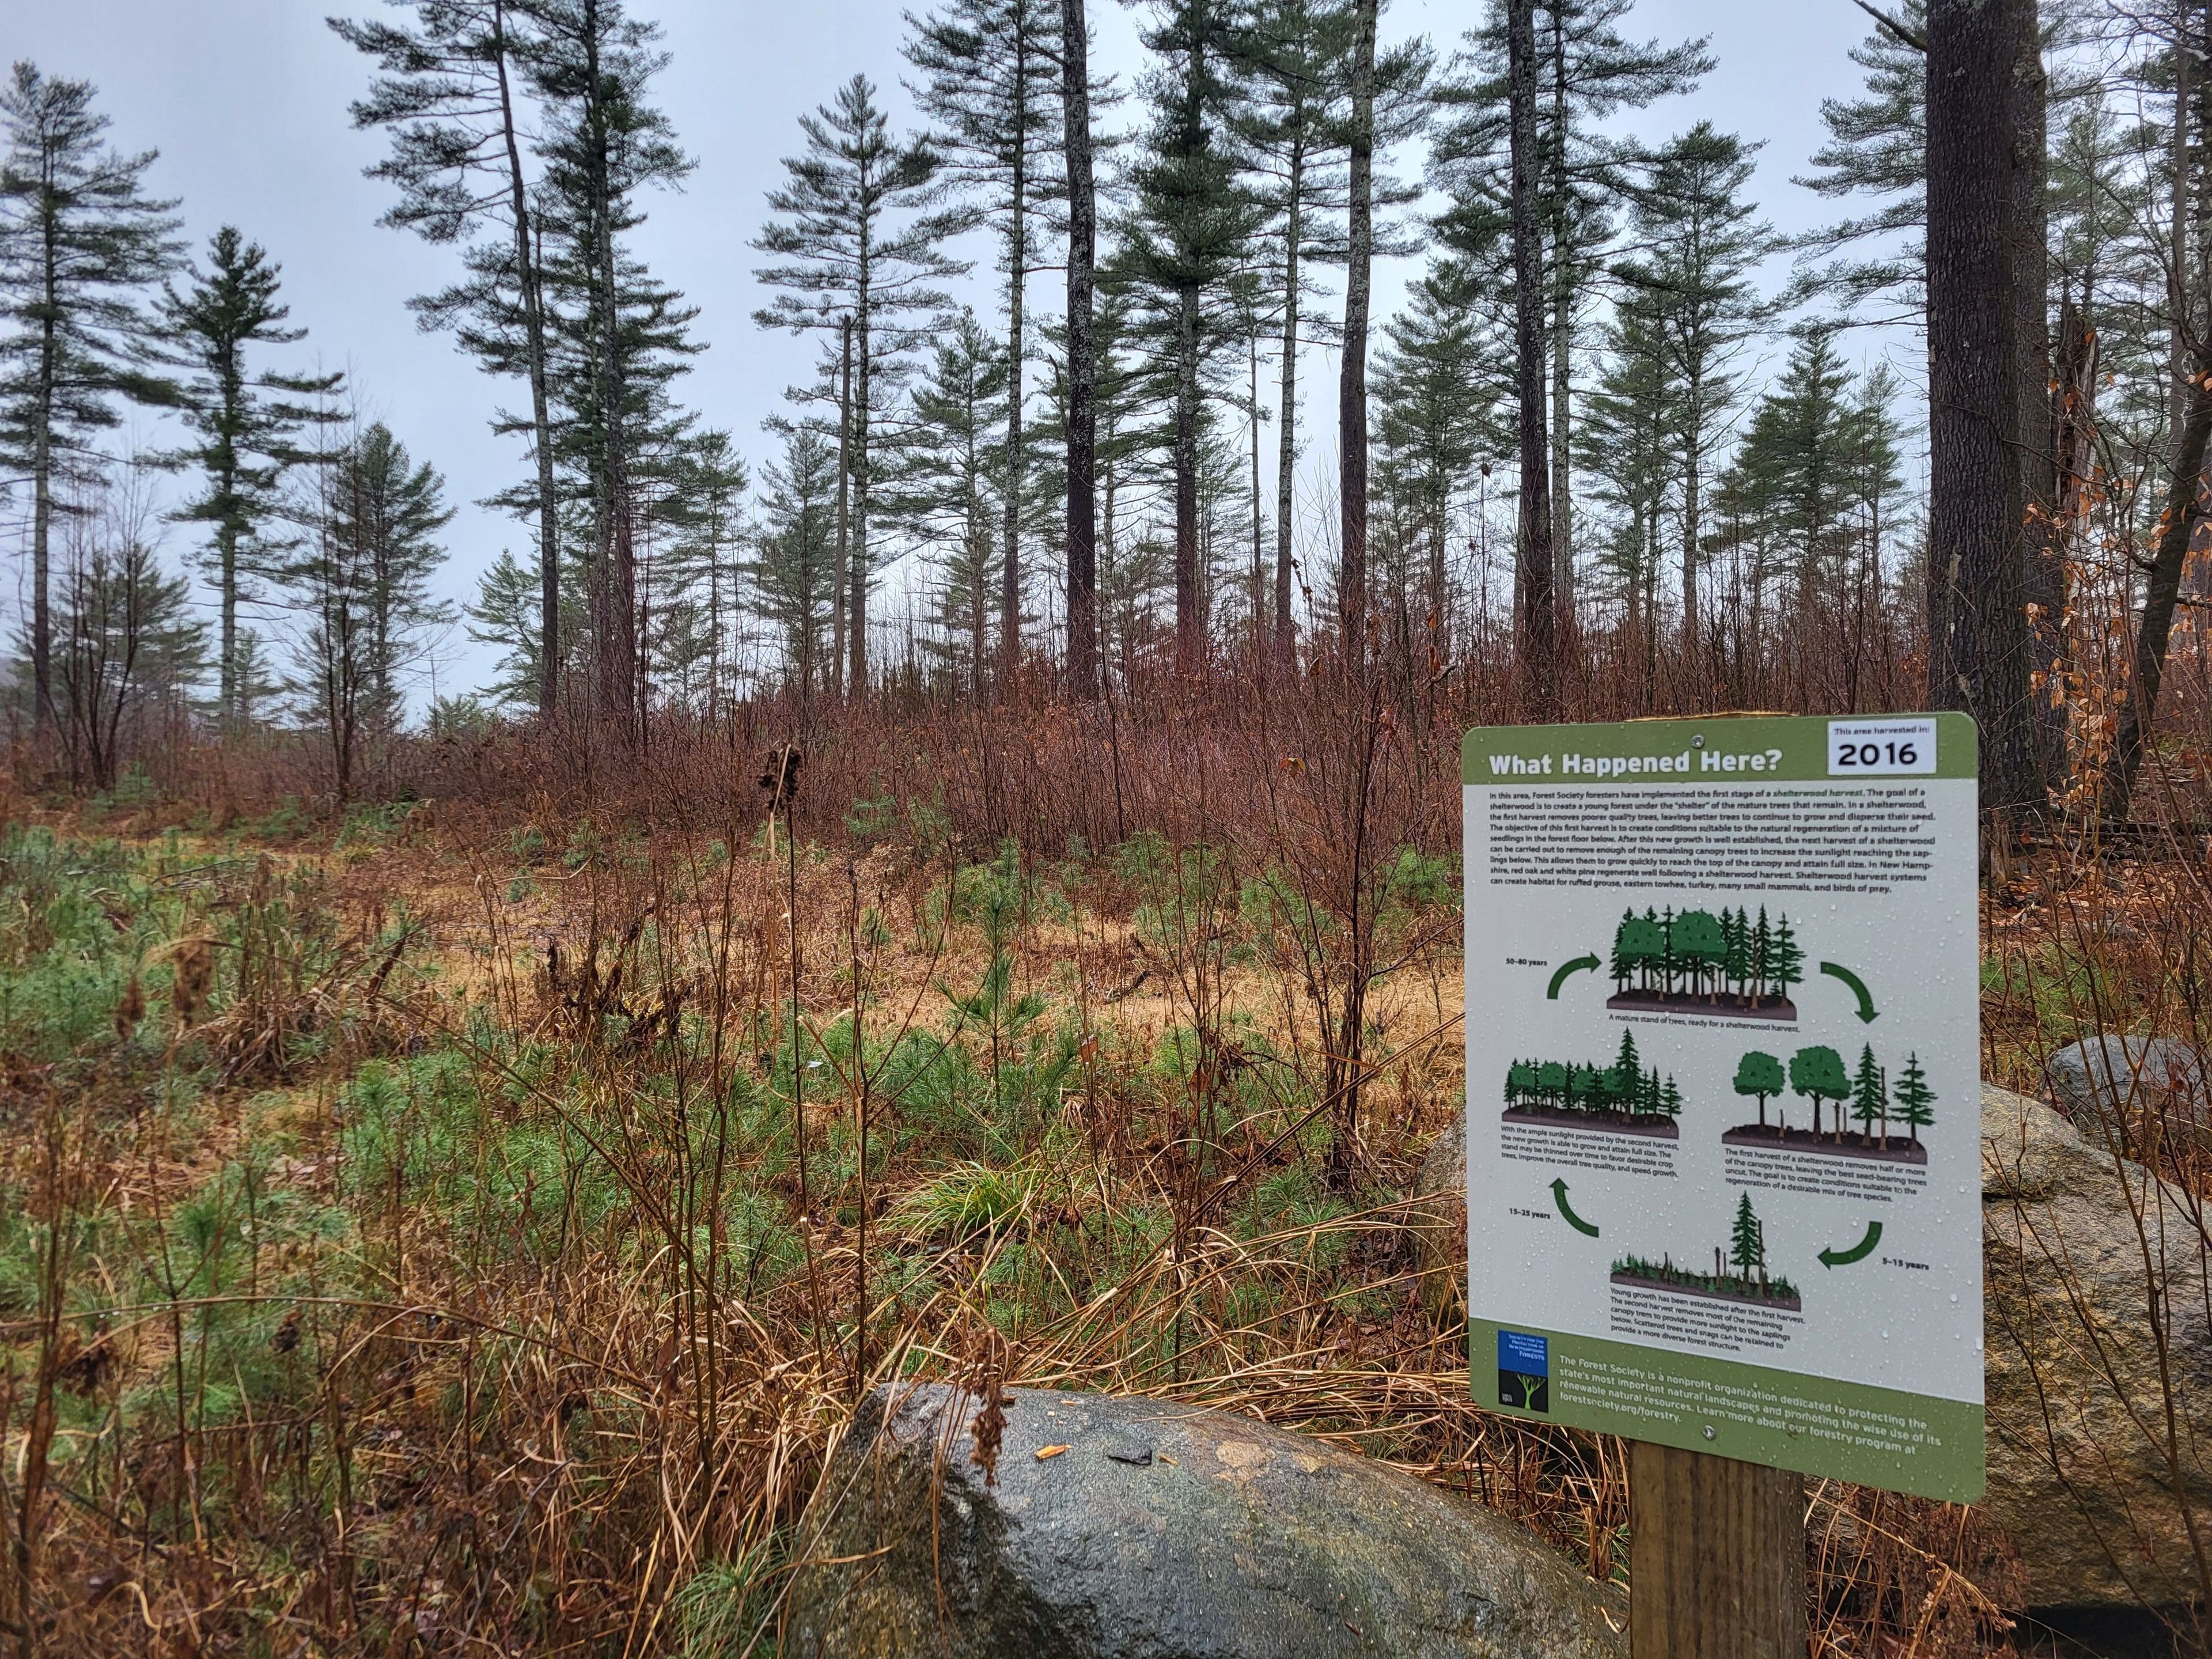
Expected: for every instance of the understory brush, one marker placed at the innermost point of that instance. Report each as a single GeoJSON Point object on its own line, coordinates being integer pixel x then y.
{"type": "Point", "coordinates": [485, 1253]}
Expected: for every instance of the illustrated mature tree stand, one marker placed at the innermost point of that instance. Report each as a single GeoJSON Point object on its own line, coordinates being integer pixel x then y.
{"type": "Point", "coordinates": [1698, 963]}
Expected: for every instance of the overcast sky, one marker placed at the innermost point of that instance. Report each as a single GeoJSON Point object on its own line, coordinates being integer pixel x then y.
{"type": "Point", "coordinates": [246, 100]}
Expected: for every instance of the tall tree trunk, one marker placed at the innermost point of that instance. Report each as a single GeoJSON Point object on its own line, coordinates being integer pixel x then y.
{"type": "Point", "coordinates": [1189, 646]}
{"type": "Point", "coordinates": [844, 504]}
{"type": "Point", "coordinates": [1017, 260]}
{"type": "Point", "coordinates": [541, 418]}
{"type": "Point", "coordinates": [856, 580]}
{"type": "Point", "coordinates": [1352, 382]}
{"type": "Point", "coordinates": [1286, 438]}
{"type": "Point", "coordinates": [1693, 482]}
{"type": "Point", "coordinates": [1562, 342]}
{"type": "Point", "coordinates": [1977, 643]}
{"type": "Point", "coordinates": [1082, 356]}
{"type": "Point", "coordinates": [2178, 297]}
{"type": "Point", "coordinates": [230, 687]}
{"type": "Point", "coordinates": [1190, 641]}
{"type": "Point", "coordinates": [2072, 400]}
{"type": "Point", "coordinates": [2184, 508]}
{"type": "Point", "coordinates": [42, 514]}
{"type": "Point", "coordinates": [1259, 594]}
{"type": "Point", "coordinates": [2042, 581]}
{"type": "Point", "coordinates": [1535, 617]}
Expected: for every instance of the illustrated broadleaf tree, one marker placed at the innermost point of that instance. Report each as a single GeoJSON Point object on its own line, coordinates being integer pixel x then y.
{"type": "Point", "coordinates": [1698, 944]}
{"type": "Point", "coordinates": [1817, 1075]}
{"type": "Point", "coordinates": [1916, 1101]}
{"type": "Point", "coordinates": [1638, 948]}
{"type": "Point", "coordinates": [1760, 1075]}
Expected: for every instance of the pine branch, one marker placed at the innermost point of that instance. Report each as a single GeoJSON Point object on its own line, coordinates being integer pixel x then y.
{"type": "Point", "coordinates": [1910, 37]}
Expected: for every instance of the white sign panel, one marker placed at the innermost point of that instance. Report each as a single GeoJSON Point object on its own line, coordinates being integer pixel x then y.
{"type": "Point", "coordinates": [1723, 1138]}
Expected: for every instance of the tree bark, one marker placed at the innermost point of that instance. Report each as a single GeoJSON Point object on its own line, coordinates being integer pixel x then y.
{"type": "Point", "coordinates": [2185, 506]}
{"type": "Point", "coordinates": [844, 503]}
{"type": "Point", "coordinates": [1693, 513]}
{"type": "Point", "coordinates": [1563, 339]}
{"type": "Point", "coordinates": [1287, 437]}
{"type": "Point", "coordinates": [2073, 401]}
{"type": "Point", "coordinates": [2041, 578]}
{"type": "Point", "coordinates": [1189, 646]}
{"type": "Point", "coordinates": [1082, 356]}
{"type": "Point", "coordinates": [1352, 385]}
{"type": "Point", "coordinates": [856, 576]}
{"type": "Point", "coordinates": [2177, 288]}
{"type": "Point", "coordinates": [1535, 616]}
{"type": "Point", "coordinates": [1258, 599]}
{"type": "Point", "coordinates": [42, 516]}
{"type": "Point", "coordinates": [1017, 260]}
{"type": "Point", "coordinates": [1978, 644]}
{"type": "Point", "coordinates": [541, 420]}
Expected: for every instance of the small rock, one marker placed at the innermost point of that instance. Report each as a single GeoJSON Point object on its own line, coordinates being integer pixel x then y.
{"type": "Point", "coordinates": [2108, 1082]}
{"type": "Point", "coordinates": [1237, 1541]}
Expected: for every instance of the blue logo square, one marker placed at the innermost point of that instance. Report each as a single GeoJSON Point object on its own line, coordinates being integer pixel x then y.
{"type": "Point", "coordinates": [1518, 1351]}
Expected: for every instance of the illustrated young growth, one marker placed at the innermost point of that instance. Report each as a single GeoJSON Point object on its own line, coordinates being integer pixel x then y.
{"type": "Point", "coordinates": [1663, 961]}
{"type": "Point", "coordinates": [1889, 1115]}
{"type": "Point", "coordinates": [1739, 1272]}
{"type": "Point", "coordinates": [1624, 1096]}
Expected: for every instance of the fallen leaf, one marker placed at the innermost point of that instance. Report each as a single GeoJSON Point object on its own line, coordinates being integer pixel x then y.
{"type": "Point", "coordinates": [1044, 1452]}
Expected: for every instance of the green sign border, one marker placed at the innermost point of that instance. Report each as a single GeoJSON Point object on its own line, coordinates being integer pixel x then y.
{"type": "Point", "coordinates": [1808, 1418]}
{"type": "Point", "coordinates": [1788, 749]}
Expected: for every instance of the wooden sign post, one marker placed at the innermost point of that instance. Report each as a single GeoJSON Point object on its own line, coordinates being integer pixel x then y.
{"type": "Point", "coordinates": [1723, 1130]}
{"type": "Point", "coordinates": [1717, 1557]}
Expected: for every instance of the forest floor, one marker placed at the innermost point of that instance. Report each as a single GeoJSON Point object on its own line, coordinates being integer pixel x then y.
{"type": "Point", "coordinates": [432, 1238]}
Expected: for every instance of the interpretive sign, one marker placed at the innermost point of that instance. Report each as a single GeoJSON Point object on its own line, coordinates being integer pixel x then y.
{"type": "Point", "coordinates": [1723, 1088]}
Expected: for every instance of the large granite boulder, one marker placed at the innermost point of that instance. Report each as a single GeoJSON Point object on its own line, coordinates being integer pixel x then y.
{"type": "Point", "coordinates": [1162, 1532]}
{"type": "Point", "coordinates": [2116, 1082]}
{"type": "Point", "coordinates": [2098, 1483]}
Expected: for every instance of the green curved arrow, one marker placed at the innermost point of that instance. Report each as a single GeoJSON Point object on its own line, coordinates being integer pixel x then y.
{"type": "Point", "coordinates": [1560, 1197]}
{"type": "Point", "coordinates": [1565, 968]}
{"type": "Point", "coordinates": [1836, 970]}
{"type": "Point", "coordinates": [1858, 1252]}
